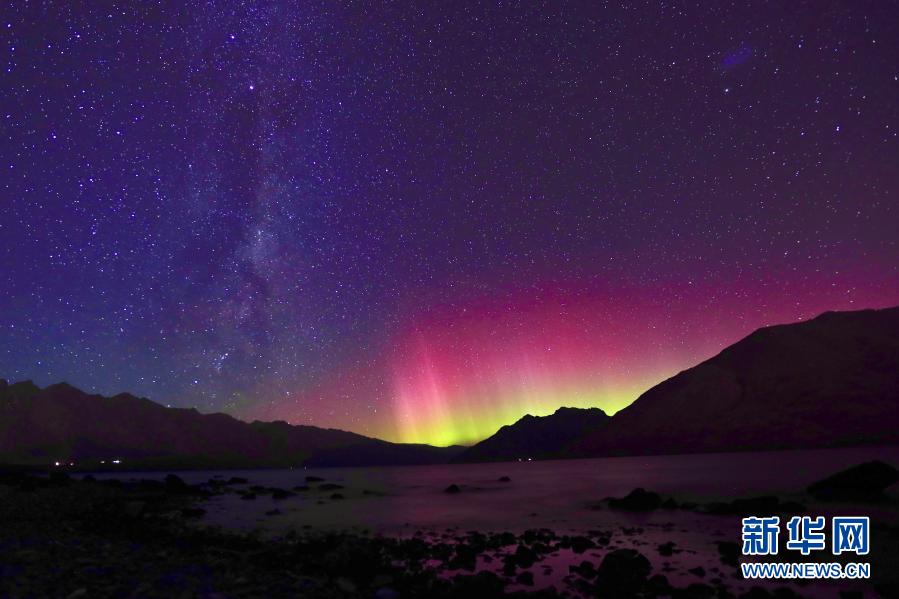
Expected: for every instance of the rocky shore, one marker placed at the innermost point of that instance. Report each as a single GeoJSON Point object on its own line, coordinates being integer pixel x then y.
{"type": "Point", "coordinates": [61, 537]}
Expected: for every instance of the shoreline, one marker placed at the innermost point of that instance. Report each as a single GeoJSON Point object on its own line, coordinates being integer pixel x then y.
{"type": "Point", "coordinates": [147, 538]}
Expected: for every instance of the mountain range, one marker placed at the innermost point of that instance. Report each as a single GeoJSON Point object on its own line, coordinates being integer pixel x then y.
{"type": "Point", "coordinates": [827, 382]}
{"type": "Point", "coordinates": [62, 423]}
{"type": "Point", "coordinates": [537, 437]}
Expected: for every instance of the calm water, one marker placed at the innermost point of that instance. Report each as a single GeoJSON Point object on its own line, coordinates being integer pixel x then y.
{"type": "Point", "coordinates": [557, 495]}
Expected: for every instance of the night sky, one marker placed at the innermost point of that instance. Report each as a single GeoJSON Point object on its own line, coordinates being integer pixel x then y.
{"type": "Point", "coordinates": [423, 223]}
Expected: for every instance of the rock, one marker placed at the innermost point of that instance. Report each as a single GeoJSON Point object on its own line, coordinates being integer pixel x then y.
{"type": "Point", "coordinates": [504, 479]}
{"type": "Point", "coordinates": [465, 557]}
{"type": "Point", "coordinates": [584, 569]}
{"type": "Point", "coordinates": [60, 479]}
{"type": "Point", "coordinates": [658, 586]}
{"type": "Point", "coordinates": [193, 512]}
{"type": "Point", "coordinates": [729, 552]}
{"type": "Point", "coordinates": [525, 578]}
{"type": "Point", "coordinates": [766, 505]}
{"type": "Point", "coordinates": [336, 496]}
{"type": "Point", "coordinates": [330, 487]}
{"type": "Point", "coordinates": [622, 571]}
{"type": "Point", "coordinates": [482, 584]}
{"type": "Point", "coordinates": [133, 509]}
{"type": "Point", "coordinates": [301, 488]}
{"type": "Point", "coordinates": [756, 593]}
{"type": "Point", "coordinates": [670, 504]}
{"type": "Point", "coordinates": [173, 482]}
{"type": "Point", "coordinates": [866, 481]}
{"type": "Point", "coordinates": [236, 480]}
{"type": "Point", "coordinates": [638, 500]}
{"type": "Point", "coordinates": [281, 493]}
{"type": "Point", "coordinates": [273, 512]}
{"type": "Point", "coordinates": [525, 557]}
{"type": "Point", "coordinates": [534, 535]}
{"type": "Point", "coordinates": [314, 479]}
{"type": "Point", "coordinates": [786, 593]}
{"type": "Point", "coordinates": [697, 571]}
{"type": "Point", "coordinates": [666, 549]}
{"type": "Point", "coordinates": [452, 489]}
{"type": "Point", "coordinates": [778, 593]}
{"type": "Point", "coordinates": [698, 590]}
{"type": "Point", "coordinates": [580, 544]}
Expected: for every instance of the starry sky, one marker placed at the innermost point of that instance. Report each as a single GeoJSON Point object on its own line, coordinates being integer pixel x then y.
{"type": "Point", "coordinates": [421, 223]}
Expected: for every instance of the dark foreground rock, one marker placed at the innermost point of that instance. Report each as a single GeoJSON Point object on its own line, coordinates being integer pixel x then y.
{"type": "Point", "coordinates": [66, 538]}
{"type": "Point", "coordinates": [622, 572]}
{"type": "Point", "coordinates": [638, 500]}
{"type": "Point", "coordinates": [865, 482]}
{"type": "Point", "coordinates": [767, 505]}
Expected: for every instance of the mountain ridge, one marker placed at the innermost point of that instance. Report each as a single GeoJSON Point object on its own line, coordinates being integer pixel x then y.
{"type": "Point", "coordinates": [826, 382]}
{"type": "Point", "coordinates": [62, 423]}
{"type": "Point", "coordinates": [829, 381]}
{"type": "Point", "coordinates": [536, 437]}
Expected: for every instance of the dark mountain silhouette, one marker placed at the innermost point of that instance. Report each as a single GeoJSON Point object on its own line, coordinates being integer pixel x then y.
{"type": "Point", "coordinates": [537, 437]}
{"type": "Point", "coordinates": [831, 381]}
{"type": "Point", "coordinates": [62, 423]}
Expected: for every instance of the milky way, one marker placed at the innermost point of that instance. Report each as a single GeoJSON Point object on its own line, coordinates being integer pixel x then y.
{"type": "Point", "coordinates": [422, 223]}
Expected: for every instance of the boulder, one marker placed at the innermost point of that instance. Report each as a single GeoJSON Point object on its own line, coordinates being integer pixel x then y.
{"type": "Point", "coordinates": [638, 500]}
{"type": "Point", "coordinates": [281, 493]}
{"type": "Point", "coordinates": [765, 505]}
{"type": "Point", "coordinates": [866, 482]}
{"type": "Point", "coordinates": [622, 572]}
{"type": "Point", "coordinates": [584, 569]}
{"type": "Point", "coordinates": [729, 553]}
{"type": "Point", "coordinates": [175, 483]}
{"type": "Point", "coordinates": [525, 578]}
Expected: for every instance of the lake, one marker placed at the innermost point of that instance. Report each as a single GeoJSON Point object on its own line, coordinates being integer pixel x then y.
{"type": "Point", "coordinates": [559, 495]}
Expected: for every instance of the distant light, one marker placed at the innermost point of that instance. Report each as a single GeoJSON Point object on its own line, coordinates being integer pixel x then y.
{"type": "Point", "coordinates": [56, 463]}
{"type": "Point", "coordinates": [102, 461]}
{"type": "Point", "coordinates": [252, 87]}
{"type": "Point", "coordinates": [117, 461]}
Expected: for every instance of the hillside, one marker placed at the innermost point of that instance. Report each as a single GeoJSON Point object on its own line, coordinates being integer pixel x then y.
{"type": "Point", "coordinates": [62, 423]}
{"type": "Point", "coordinates": [537, 437]}
{"type": "Point", "coordinates": [831, 381]}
